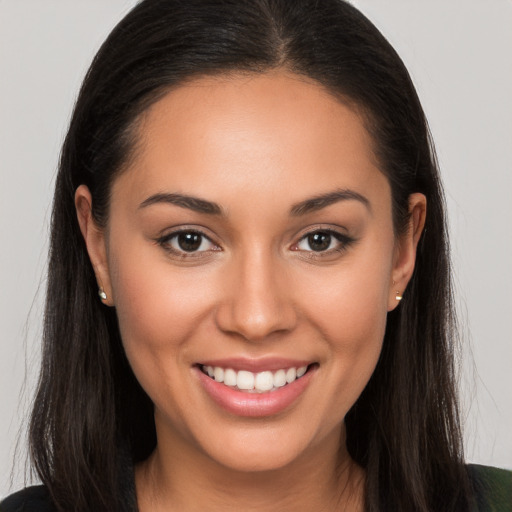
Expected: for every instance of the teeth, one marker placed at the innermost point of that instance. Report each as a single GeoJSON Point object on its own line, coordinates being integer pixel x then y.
{"type": "Point", "coordinates": [256, 382]}
{"type": "Point", "coordinates": [245, 380]}
{"type": "Point", "coordinates": [264, 381]}
{"type": "Point", "coordinates": [291, 375]}
{"type": "Point", "coordinates": [301, 371]}
{"type": "Point", "coordinates": [230, 377]}
{"type": "Point", "coordinates": [218, 374]}
{"type": "Point", "coordinates": [279, 378]}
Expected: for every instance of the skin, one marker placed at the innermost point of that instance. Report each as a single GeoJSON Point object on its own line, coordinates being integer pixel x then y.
{"type": "Point", "coordinates": [256, 146]}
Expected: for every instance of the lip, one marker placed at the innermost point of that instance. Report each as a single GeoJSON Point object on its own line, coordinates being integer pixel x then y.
{"type": "Point", "coordinates": [256, 365]}
{"type": "Point", "coordinates": [254, 405]}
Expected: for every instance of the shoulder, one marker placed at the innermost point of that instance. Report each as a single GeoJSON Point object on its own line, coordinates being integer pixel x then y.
{"type": "Point", "coordinates": [492, 487]}
{"type": "Point", "coordinates": [31, 499]}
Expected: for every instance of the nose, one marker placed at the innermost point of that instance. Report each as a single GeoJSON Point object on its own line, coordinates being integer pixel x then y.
{"type": "Point", "coordinates": [256, 301]}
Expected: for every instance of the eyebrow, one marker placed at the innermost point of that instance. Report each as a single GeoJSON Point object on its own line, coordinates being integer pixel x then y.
{"type": "Point", "coordinates": [184, 201]}
{"type": "Point", "coordinates": [303, 207]}
{"type": "Point", "coordinates": [316, 203]}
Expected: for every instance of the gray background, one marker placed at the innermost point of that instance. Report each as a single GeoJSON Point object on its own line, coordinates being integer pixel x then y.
{"type": "Point", "coordinates": [458, 53]}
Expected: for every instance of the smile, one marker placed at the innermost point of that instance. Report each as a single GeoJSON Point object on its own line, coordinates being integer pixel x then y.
{"type": "Point", "coordinates": [272, 387]}
{"type": "Point", "coordinates": [261, 382]}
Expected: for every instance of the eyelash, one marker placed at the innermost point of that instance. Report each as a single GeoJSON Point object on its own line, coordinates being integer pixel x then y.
{"type": "Point", "coordinates": [344, 242]}
{"type": "Point", "coordinates": [166, 241]}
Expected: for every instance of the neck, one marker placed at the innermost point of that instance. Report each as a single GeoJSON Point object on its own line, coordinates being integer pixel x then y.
{"type": "Point", "coordinates": [322, 478]}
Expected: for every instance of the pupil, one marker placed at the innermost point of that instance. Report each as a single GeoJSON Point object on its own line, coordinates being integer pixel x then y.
{"type": "Point", "coordinates": [189, 241]}
{"type": "Point", "coordinates": [319, 241]}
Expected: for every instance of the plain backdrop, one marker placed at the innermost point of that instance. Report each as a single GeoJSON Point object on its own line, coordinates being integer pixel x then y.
{"type": "Point", "coordinates": [458, 53]}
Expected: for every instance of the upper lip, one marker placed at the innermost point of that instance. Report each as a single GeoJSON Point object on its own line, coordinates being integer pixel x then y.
{"type": "Point", "coordinates": [256, 365]}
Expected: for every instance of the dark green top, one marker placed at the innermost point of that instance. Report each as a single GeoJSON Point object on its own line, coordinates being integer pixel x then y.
{"type": "Point", "coordinates": [493, 488]}
{"type": "Point", "coordinates": [493, 493]}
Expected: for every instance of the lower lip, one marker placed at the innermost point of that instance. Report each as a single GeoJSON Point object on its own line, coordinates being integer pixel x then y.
{"type": "Point", "coordinates": [255, 404]}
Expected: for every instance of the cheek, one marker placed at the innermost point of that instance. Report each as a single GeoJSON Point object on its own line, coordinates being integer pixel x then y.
{"type": "Point", "coordinates": [159, 310]}
{"type": "Point", "coordinates": [350, 303]}
{"type": "Point", "coordinates": [349, 309]}
{"type": "Point", "coordinates": [158, 305]}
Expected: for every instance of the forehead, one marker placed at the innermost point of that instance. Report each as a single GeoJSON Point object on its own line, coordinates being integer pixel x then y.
{"type": "Point", "coordinates": [219, 136]}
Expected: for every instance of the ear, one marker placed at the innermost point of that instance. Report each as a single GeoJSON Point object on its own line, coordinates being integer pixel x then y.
{"type": "Point", "coordinates": [95, 241]}
{"type": "Point", "coordinates": [405, 252]}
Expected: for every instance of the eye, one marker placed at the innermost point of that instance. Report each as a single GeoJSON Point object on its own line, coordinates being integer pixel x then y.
{"type": "Point", "coordinates": [323, 241]}
{"type": "Point", "coordinates": [187, 242]}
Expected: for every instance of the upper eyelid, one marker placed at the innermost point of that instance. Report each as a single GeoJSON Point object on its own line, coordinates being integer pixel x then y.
{"type": "Point", "coordinates": [172, 232]}
{"type": "Point", "coordinates": [324, 229]}
{"type": "Point", "coordinates": [166, 238]}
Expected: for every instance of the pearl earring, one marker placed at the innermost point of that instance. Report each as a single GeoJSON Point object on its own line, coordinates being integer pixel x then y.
{"type": "Point", "coordinates": [102, 294]}
{"type": "Point", "coordinates": [398, 297]}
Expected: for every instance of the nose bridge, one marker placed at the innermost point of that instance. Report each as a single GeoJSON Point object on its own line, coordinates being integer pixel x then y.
{"type": "Point", "coordinates": [256, 303]}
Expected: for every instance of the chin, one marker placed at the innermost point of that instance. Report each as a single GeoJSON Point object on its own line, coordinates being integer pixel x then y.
{"type": "Point", "coordinates": [246, 459]}
{"type": "Point", "coordinates": [260, 448]}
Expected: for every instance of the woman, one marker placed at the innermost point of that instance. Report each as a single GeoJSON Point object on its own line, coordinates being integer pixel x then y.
{"type": "Point", "coordinates": [216, 338]}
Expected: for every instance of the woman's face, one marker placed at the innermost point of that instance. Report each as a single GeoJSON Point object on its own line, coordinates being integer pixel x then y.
{"type": "Point", "coordinates": [250, 237]}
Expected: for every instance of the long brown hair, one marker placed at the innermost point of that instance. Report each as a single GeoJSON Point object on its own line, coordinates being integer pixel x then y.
{"type": "Point", "coordinates": [90, 413]}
